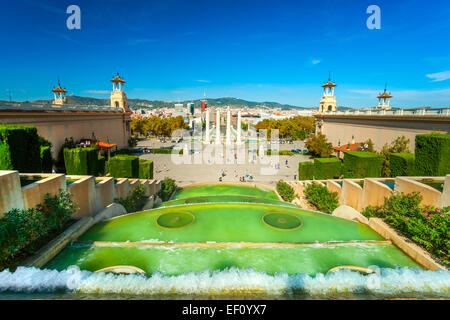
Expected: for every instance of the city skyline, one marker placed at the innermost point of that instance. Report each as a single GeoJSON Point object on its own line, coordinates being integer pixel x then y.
{"type": "Point", "coordinates": [257, 51]}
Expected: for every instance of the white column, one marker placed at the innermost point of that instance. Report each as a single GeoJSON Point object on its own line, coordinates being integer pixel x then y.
{"type": "Point", "coordinates": [207, 127]}
{"type": "Point", "coordinates": [228, 138]}
{"type": "Point", "coordinates": [238, 140]}
{"type": "Point", "coordinates": [218, 139]}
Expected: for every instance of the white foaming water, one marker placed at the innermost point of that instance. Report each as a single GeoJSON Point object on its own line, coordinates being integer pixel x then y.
{"type": "Point", "coordinates": [388, 282]}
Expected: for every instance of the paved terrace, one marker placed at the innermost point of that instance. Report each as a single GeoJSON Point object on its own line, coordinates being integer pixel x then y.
{"type": "Point", "coordinates": [186, 174]}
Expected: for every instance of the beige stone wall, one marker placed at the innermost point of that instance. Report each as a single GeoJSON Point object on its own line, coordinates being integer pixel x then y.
{"type": "Point", "coordinates": [430, 196]}
{"type": "Point", "coordinates": [445, 198]}
{"type": "Point", "coordinates": [10, 192]}
{"type": "Point", "coordinates": [56, 126]}
{"type": "Point", "coordinates": [333, 186]}
{"type": "Point", "coordinates": [34, 193]}
{"type": "Point", "coordinates": [104, 193]}
{"type": "Point", "coordinates": [351, 195]}
{"type": "Point", "coordinates": [380, 130]}
{"type": "Point", "coordinates": [375, 192]}
{"type": "Point", "coordinates": [122, 187]}
{"type": "Point", "coordinates": [83, 193]}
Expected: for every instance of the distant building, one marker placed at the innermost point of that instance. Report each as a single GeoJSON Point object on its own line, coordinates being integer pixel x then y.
{"type": "Point", "coordinates": [179, 107]}
{"type": "Point", "coordinates": [190, 108]}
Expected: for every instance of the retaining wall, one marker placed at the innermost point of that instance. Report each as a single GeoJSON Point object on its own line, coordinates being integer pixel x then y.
{"type": "Point", "coordinates": [91, 197]}
{"type": "Point", "coordinates": [374, 193]}
{"type": "Point", "coordinates": [430, 196]}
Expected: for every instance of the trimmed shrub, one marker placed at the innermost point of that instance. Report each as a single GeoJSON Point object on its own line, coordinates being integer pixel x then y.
{"type": "Point", "coordinates": [432, 154]}
{"type": "Point", "coordinates": [285, 191]}
{"type": "Point", "coordinates": [402, 164]}
{"type": "Point", "coordinates": [81, 161]}
{"type": "Point", "coordinates": [101, 165]}
{"type": "Point", "coordinates": [46, 159]}
{"type": "Point", "coordinates": [161, 151]}
{"type": "Point", "coordinates": [168, 186]}
{"type": "Point", "coordinates": [280, 152]}
{"type": "Point", "coordinates": [305, 170]}
{"type": "Point", "coordinates": [327, 168]}
{"type": "Point", "coordinates": [124, 166]}
{"type": "Point", "coordinates": [145, 169]}
{"type": "Point", "coordinates": [321, 198]}
{"type": "Point", "coordinates": [360, 164]}
{"type": "Point", "coordinates": [20, 148]}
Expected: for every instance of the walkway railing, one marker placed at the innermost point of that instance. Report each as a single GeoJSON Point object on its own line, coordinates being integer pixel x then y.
{"type": "Point", "coordinates": [442, 112]}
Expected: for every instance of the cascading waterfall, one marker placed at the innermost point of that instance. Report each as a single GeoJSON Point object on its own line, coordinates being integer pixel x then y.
{"type": "Point", "coordinates": [386, 282]}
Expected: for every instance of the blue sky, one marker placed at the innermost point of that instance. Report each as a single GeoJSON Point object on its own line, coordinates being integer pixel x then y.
{"type": "Point", "coordinates": [257, 50]}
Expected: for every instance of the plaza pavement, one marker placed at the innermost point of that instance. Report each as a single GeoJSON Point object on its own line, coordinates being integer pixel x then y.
{"type": "Point", "coordinates": [185, 174]}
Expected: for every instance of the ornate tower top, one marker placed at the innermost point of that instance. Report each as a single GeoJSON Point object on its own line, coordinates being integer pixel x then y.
{"type": "Point", "coordinates": [60, 94]}
{"type": "Point", "coordinates": [384, 100]}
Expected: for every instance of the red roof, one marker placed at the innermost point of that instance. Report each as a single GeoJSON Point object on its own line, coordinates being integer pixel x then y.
{"type": "Point", "coordinates": [106, 145]}
{"type": "Point", "coordinates": [345, 147]}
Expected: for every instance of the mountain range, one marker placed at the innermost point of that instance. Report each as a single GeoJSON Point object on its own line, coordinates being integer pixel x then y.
{"type": "Point", "coordinates": [148, 104]}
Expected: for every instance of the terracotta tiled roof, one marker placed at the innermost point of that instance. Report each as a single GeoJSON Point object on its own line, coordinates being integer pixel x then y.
{"type": "Point", "coordinates": [384, 95]}
{"type": "Point", "coordinates": [59, 90]}
{"type": "Point", "coordinates": [117, 79]}
{"type": "Point", "coordinates": [329, 84]}
{"type": "Point", "coordinates": [345, 147]}
{"type": "Point", "coordinates": [106, 145]}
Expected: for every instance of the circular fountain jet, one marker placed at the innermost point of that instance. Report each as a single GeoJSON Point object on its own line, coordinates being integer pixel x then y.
{"type": "Point", "coordinates": [122, 270]}
{"type": "Point", "coordinates": [282, 221]}
{"type": "Point", "coordinates": [175, 220]}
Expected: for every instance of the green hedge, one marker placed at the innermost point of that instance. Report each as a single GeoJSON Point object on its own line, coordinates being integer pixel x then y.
{"type": "Point", "coordinates": [305, 170]}
{"type": "Point", "coordinates": [402, 164]}
{"type": "Point", "coordinates": [145, 169]}
{"type": "Point", "coordinates": [327, 168]}
{"type": "Point", "coordinates": [360, 164]}
{"type": "Point", "coordinates": [81, 161]}
{"type": "Point", "coordinates": [432, 154]}
{"type": "Point", "coordinates": [281, 152]}
{"type": "Point", "coordinates": [101, 165]}
{"type": "Point", "coordinates": [19, 148]}
{"type": "Point", "coordinates": [162, 151]}
{"type": "Point", "coordinates": [46, 159]}
{"type": "Point", "coordinates": [124, 166]}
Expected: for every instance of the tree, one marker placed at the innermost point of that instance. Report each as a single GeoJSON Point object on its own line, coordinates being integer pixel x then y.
{"type": "Point", "coordinates": [370, 146]}
{"type": "Point", "coordinates": [319, 146]}
{"type": "Point", "coordinates": [399, 145]}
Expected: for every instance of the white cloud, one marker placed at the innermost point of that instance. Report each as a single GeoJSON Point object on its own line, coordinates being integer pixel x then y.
{"type": "Point", "coordinates": [203, 81]}
{"type": "Point", "coordinates": [439, 76]}
{"type": "Point", "coordinates": [316, 61]}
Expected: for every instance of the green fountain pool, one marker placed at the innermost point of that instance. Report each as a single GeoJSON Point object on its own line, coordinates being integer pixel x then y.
{"type": "Point", "coordinates": [212, 239]}
{"type": "Point", "coordinates": [224, 189]}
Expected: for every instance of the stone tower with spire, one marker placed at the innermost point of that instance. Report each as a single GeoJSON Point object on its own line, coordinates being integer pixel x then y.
{"type": "Point", "coordinates": [118, 96]}
{"type": "Point", "coordinates": [328, 100]}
